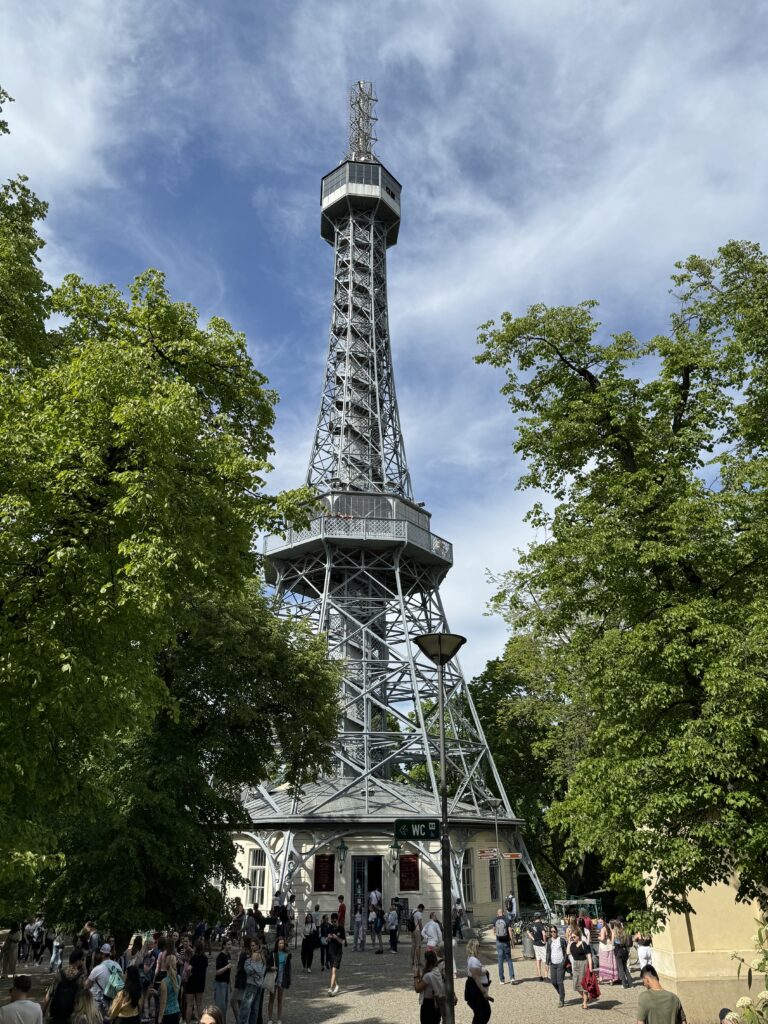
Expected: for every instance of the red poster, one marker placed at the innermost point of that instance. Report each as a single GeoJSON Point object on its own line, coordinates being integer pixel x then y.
{"type": "Point", "coordinates": [324, 865]}
{"type": "Point", "coordinates": [409, 872]}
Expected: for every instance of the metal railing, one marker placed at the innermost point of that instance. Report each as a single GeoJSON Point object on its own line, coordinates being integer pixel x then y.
{"type": "Point", "coordinates": [354, 528]}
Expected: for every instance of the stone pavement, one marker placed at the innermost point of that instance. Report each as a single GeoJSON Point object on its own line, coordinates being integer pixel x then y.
{"type": "Point", "coordinates": [379, 990]}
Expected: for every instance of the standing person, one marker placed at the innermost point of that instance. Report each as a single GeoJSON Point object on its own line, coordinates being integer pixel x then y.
{"type": "Point", "coordinates": [100, 977]}
{"type": "Point", "coordinates": [424, 982]}
{"type": "Point", "coordinates": [607, 970]}
{"type": "Point", "coordinates": [249, 925]}
{"type": "Point", "coordinates": [60, 999]}
{"type": "Point", "coordinates": [222, 978]}
{"type": "Point", "coordinates": [378, 928]}
{"type": "Point", "coordinates": [555, 955]}
{"type": "Point", "coordinates": [343, 916]}
{"type": "Point", "coordinates": [21, 1009]}
{"type": "Point", "coordinates": [477, 985]}
{"type": "Point", "coordinates": [655, 1005]}
{"type": "Point", "coordinates": [393, 925]}
{"type": "Point", "coordinates": [432, 933]}
{"type": "Point", "coordinates": [56, 950]}
{"type": "Point", "coordinates": [194, 986]}
{"type": "Point", "coordinates": [126, 1006]}
{"type": "Point", "coordinates": [644, 951]}
{"type": "Point", "coordinates": [621, 954]}
{"type": "Point", "coordinates": [309, 935]}
{"type": "Point", "coordinates": [325, 929]}
{"type": "Point", "coordinates": [255, 969]}
{"type": "Point", "coordinates": [336, 939]}
{"type": "Point", "coordinates": [359, 926]}
{"type": "Point", "coordinates": [415, 922]}
{"type": "Point", "coordinates": [169, 1011]}
{"type": "Point", "coordinates": [374, 899]}
{"type": "Point", "coordinates": [510, 905]}
{"type": "Point", "coordinates": [502, 929]}
{"type": "Point", "coordinates": [238, 992]}
{"type": "Point", "coordinates": [457, 916]}
{"type": "Point", "coordinates": [538, 934]}
{"type": "Point", "coordinates": [279, 962]}
{"type": "Point", "coordinates": [580, 954]}
{"type": "Point", "coordinates": [11, 950]}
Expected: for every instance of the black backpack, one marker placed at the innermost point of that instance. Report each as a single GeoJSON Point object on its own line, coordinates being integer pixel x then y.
{"type": "Point", "coordinates": [62, 1003]}
{"type": "Point", "coordinates": [410, 923]}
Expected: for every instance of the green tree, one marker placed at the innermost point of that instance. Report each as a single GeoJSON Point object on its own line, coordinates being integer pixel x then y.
{"type": "Point", "coordinates": [648, 582]}
{"type": "Point", "coordinates": [134, 446]}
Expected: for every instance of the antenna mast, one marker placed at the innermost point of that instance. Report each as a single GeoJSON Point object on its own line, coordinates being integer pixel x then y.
{"type": "Point", "coordinates": [362, 119]}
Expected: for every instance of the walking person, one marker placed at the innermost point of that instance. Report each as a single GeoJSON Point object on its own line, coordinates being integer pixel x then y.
{"type": "Point", "coordinates": [538, 935]}
{"type": "Point", "coordinates": [360, 929]}
{"type": "Point", "coordinates": [253, 998]}
{"type": "Point", "coordinates": [11, 951]}
{"type": "Point", "coordinates": [393, 925]}
{"type": "Point", "coordinates": [644, 952]}
{"type": "Point", "coordinates": [607, 970]}
{"type": "Point", "coordinates": [502, 929]}
{"type": "Point", "coordinates": [222, 978]}
{"type": "Point", "coordinates": [325, 929]}
{"type": "Point", "coordinates": [415, 921]}
{"type": "Point", "coordinates": [194, 986]}
{"type": "Point", "coordinates": [56, 950]}
{"type": "Point", "coordinates": [656, 1005]}
{"type": "Point", "coordinates": [342, 912]}
{"type": "Point", "coordinates": [555, 958]}
{"type": "Point", "coordinates": [336, 937]}
{"type": "Point", "coordinates": [100, 980]}
{"type": "Point", "coordinates": [425, 982]}
{"type": "Point", "coordinates": [457, 916]}
{"type": "Point", "coordinates": [169, 1010]}
{"type": "Point", "coordinates": [477, 986]}
{"type": "Point", "coordinates": [580, 954]}
{"type": "Point", "coordinates": [378, 928]}
{"type": "Point", "coordinates": [309, 935]}
{"type": "Point", "coordinates": [280, 962]}
{"type": "Point", "coordinates": [432, 933]}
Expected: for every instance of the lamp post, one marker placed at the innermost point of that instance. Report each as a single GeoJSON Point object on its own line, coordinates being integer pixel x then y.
{"type": "Point", "coordinates": [496, 803]}
{"type": "Point", "coordinates": [440, 648]}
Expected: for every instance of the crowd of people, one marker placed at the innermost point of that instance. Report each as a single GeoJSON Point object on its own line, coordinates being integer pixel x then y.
{"type": "Point", "coordinates": [162, 977]}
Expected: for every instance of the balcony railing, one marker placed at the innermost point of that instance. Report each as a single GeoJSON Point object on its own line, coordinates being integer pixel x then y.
{"type": "Point", "coordinates": [340, 528]}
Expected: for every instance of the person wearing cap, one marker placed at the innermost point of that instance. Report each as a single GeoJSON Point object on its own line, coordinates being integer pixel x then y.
{"type": "Point", "coordinates": [21, 1009]}
{"type": "Point", "coordinates": [99, 977]}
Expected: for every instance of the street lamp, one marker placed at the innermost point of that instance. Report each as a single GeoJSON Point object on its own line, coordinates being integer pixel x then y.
{"type": "Point", "coordinates": [341, 849]}
{"type": "Point", "coordinates": [440, 648]}
{"type": "Point", "coordinates": [394, 854]}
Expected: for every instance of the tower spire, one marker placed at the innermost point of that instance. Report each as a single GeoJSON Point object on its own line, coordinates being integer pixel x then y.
{"type": "Point", "coordinates": [362, 119]}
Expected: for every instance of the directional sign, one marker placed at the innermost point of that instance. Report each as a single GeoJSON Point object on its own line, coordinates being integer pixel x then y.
{"type": "Point", "coordinates": [512, 856]}
{"type": "Point", "coordinates": [490, 854]}
{"type": "Point", "coordinates": [417, 829]}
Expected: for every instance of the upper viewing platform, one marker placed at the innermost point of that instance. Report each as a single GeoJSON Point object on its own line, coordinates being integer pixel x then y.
{"type": "Point", "coordinates": [360, 185]}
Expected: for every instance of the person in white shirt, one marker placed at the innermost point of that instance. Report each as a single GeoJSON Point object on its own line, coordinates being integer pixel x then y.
{"type": "Point", "coordinates": [432, 933]}
{"type": "Point", "coordinates": [98, 978]}
{"type": "Point", "coordinates": [416, 919]}
{"type": "Point", "coordinates": [21, 1009]}
{"type": "Point", "coordinates": [556, 951]}
{"type": "Point", "coordinates": [393, 925]}
{"type": "Point", "coordinates": [375, 898]}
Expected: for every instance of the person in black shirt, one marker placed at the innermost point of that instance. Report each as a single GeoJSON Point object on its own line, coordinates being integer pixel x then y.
{"type": "Point", "coordinates": [336, 940]}
{"type": "Point", "coordinates": [580, 953]}
{"type": "Point", "coordinates": [222, 978]}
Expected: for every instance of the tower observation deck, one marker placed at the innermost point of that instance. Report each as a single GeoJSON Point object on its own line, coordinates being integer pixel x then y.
{"type": "Point", "coordinates": [367, 569]}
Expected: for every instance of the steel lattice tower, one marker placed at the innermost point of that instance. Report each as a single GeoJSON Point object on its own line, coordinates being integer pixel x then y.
{"type": "Point", "coordinates": [367, 571]}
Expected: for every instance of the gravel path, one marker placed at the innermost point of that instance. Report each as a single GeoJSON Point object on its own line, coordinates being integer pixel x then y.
{"type": "Point", "coordinates": [379, 990]}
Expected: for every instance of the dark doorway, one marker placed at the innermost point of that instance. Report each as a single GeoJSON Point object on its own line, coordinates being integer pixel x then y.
{"type": "Point", "coordinates": [366, 875]}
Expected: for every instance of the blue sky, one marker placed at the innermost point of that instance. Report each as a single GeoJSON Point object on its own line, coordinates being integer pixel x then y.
{"type": "Point", "coordinates": [549, 151]}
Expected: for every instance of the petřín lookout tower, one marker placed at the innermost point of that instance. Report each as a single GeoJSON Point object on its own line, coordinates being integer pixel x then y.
{"type": "Point", "coordinates": [367, 572]}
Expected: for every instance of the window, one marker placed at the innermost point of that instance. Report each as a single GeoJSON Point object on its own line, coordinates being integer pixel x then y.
{"type": "Point", "coordinates": [334, 180]}
{"type": "Point", "coordinates": [391, 187]}
{"type": "Point", "coordinates": [324, 878]}
{"type": "Point", "coordinates": [257, 871]}
{"type": "Point", "coordinates": [409, 872]}
{"type": "Point", "coordinates": [493, 878]}
{"type": "Point", "coordinates": [467, 879]}
{"type": "Point", "coordinates": [364, 174]}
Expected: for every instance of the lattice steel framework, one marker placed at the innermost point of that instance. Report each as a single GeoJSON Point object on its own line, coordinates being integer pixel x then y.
{"type": "Point", "coordinates": [368, 569]}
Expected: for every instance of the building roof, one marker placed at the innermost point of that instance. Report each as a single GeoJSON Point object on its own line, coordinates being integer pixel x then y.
{"type": "Point", "coordinates": [327, 801]}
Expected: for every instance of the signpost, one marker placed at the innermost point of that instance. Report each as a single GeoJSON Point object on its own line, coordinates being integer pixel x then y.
{"type": "Point", "coordinates": [490, 854]}
{"type": "Point", "coordinates": [416, 830]}
{"type": "Point", "coordinates": [512, 856]}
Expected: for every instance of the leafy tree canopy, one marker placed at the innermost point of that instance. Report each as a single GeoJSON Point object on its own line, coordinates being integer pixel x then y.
{"type": "Point", "coordinates": [646, 588]}
{"type": "Point", "coordinates": [134, 446]}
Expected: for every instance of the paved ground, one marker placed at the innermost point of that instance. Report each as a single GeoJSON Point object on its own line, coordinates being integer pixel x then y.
{"type": "Point", "coordinates": [379, 990]}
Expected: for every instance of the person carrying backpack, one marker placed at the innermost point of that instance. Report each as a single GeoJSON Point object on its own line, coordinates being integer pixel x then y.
{"type": "Point", "coordinates": [502, 929]}
{"type": "Point", "coordinates": [59, 1003]}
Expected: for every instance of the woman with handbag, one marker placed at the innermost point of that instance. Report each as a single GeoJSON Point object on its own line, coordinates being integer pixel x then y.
{"type": "Point", "coordinates": [255, 970]}
{"type": "Point", "coordinates": [581, 960]}
{"type": "Point", "coordinates": [278, 977]}
{"type": "Point", "coordinates": [477, 985]}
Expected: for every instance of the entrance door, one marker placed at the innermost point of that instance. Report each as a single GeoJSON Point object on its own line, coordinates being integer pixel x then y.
{"type": "Point", "coordinates": [366, 875]}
